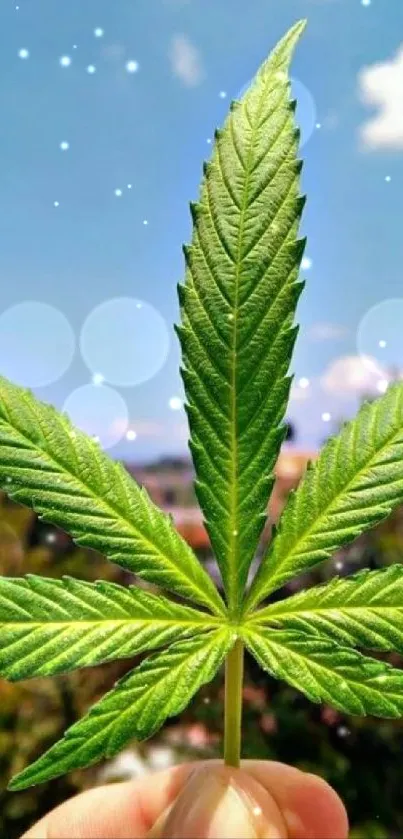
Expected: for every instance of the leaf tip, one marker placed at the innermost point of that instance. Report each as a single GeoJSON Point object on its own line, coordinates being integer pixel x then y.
{"type": "Point", "coordinates": [17, 783]}
{"type": "Point", "coordinates": [283, 51]}
{"type": "Point", "coordinates": [296, 30]}
{"type": "Point", "coordinates": [302, 24]}
{"type": "Point", "coordinates": [194, 210]}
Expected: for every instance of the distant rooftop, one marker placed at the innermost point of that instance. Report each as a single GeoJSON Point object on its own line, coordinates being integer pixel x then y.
{"type": "Point", "coordinates": [169, 482]}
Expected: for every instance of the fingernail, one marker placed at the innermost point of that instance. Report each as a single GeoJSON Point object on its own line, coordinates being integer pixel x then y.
{"type": "Point", "coordinates": [218, 804]}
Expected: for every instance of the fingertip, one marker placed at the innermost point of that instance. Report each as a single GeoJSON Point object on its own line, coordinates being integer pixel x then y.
{"type": "Point", "coordinates": [221, 802]}
{"type": "Point", "coordinates": [322, 808]}
{"type": "Point", "coordinates": [310, 807]}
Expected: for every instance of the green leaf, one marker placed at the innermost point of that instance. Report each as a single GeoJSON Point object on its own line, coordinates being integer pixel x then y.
{"type": "Point", "coordinates": [52, 626]}
{"type": "Point", "coordinates": [364, 610]}
{"type": "Point", "coordinates": [355, 483]}
{"type": "Point", "coordinates": [49, 465]}
{"type": "Point", "coordinates": [325, 672]}
{"type": "Point", "coordinates": [238, 305]}
{"type": "Point", "coordinates": [138, 705]}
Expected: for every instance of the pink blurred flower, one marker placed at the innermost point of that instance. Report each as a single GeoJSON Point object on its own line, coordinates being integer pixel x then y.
{"type": "Point", "coordinates": [329, 715]}
{"type": "Point", "coordinates": [268, 723]}
{"type": "Point", "coordinates": [197, 735]}
{"type": "Point", "coordinates": [255, 696]}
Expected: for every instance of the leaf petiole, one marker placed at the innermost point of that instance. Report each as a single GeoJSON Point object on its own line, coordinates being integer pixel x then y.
{"type": "Point", "coordinates": [233, 704]}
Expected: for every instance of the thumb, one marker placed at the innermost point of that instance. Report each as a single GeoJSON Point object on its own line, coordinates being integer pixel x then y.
{"type": "Point", "coordinates": [218, 802]}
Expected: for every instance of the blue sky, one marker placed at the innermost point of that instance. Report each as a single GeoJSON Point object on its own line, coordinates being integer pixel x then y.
{"type": "Point", "coordinates": [100, 157]}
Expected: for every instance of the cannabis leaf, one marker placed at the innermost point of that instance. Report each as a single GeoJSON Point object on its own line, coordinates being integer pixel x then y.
{"type": "Point", "coordinates": [354, 484]}
{"type": "Point", "coordinates": [53, 626]}
{"type": "Point", "coordinates": [364, 610]}
{"type": "Point", "coordinates": [238, 306]}
{"type": "Point", "coordinates": [49, 465]}
{"type": "Point", "coordinates": [326, 672]}
{"type": "Point", "coordinates": [161, 687]}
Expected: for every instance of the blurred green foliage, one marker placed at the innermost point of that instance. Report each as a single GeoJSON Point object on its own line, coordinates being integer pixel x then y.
{"type": "Point", "coordinates": [361, 758]}
{"type": "Point", "coordinates": [34, 714]}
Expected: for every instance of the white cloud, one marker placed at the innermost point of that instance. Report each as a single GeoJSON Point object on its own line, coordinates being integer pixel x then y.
{"type": "Point", "coordinates": [298, 393]}
{"type": "Point", "coordinates": [380, 86]}
{"type": "Point", "coordinates": [352, 375]}
{"type": "Point", "coordinates": [149, 428]}
{"type": "Point", "coordinates": [186, 61]}
{"type": "Point", "coordinates": [327, 332]}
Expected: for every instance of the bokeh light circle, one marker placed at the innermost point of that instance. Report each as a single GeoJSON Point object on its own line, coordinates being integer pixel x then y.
{"type": "Point", "coordinates": [37, 344]}
{"type": "Point", "coordinates": [100, 411]}
{"type": "Point", "coordinates": [380, 336]}
{"type": "Point", "coordinates": [125, 340]}
{"type": "Point", "coordinates": [306, 112]}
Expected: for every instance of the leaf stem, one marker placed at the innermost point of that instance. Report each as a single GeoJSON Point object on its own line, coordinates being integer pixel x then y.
{"type": "Point", "coordinates": [233, 704]}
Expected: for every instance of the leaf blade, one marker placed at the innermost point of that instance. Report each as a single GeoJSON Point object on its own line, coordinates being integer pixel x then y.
{"type": "Point", "coordinates": [49, 626]}
{"type": "Point", "coordinates": [363, 610]}
{"type": "Point", "coordinates": [62, 474]}
{"type": "Point", "coordinates": [336, 501]}
{"type": "Point", "coordinates": [238, 305]}
{"type": "Point", "coordinates": [138, 705]}
{"type": "Point", "coordinates": [324, 672]}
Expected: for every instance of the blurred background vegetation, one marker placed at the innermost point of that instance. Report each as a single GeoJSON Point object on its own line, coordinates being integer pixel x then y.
{"type": "Point", "coordinates": [359, 757]}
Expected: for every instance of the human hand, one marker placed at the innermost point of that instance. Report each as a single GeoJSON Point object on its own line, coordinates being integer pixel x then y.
{"type": "Point", "coordinates": [205, 800]}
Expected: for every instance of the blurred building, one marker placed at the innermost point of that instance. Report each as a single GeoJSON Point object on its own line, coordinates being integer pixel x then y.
{"type": "Point", "coordinates": [170, 484]}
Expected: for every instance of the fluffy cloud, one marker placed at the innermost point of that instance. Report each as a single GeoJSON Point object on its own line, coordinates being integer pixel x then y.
{"type": "Point", "coordinates": [327, 332]}
{"type": "Point", "coordinates": [353, 375]}
{"type": "Point", "coordinates": [149, 428]}
{"type": "Point", "coordinates": [186, 62]}
{"type": "Point", "coordinates": [380, 86]}
{"type": "Point", "coordinates": [298, 393]}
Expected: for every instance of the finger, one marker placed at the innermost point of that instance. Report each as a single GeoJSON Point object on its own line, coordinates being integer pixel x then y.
{"type": "Point", "coordinates": [310, 807]}
{"type": "Point", "coordinates": [262, 799]}
{"type": "Point", "coordinates": [118, 811]}
{"type": "Point", "coordinates": [293, 804]}
{"type": "Point", "coordinates": [218, 801]}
